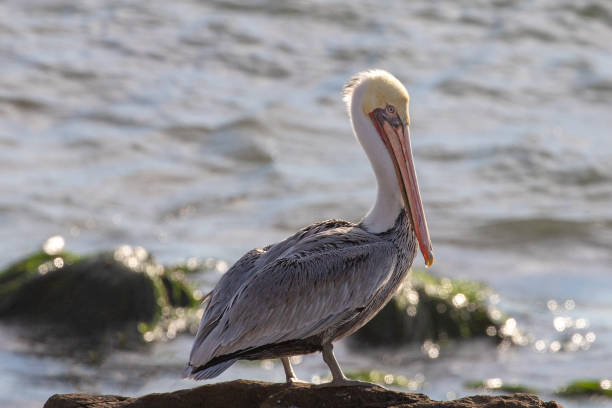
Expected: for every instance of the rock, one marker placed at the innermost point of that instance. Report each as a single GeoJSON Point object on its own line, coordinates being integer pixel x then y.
{"type": "Point", "coordinates": [430, 308]}
{"type": "Point", "coordinates": [121, 291]}
{"type": "Point", "coordinates": [253, 394]}
{"type": "Point", "coordinates": [29, 267]}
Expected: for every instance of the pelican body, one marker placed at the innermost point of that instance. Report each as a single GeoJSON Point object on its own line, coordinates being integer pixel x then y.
{"type": "Point", "coordinates": [330, 278]}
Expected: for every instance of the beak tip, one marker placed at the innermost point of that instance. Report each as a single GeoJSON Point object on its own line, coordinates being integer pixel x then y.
{"type": "Point", "coordinates": [429, 259]}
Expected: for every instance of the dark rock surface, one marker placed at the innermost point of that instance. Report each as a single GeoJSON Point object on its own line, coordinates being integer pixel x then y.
{"type": "Point", "coordinates": [120, 291]}
{"type": "Point", "coordinates": [90, 295]}
{"type": "Point", "coordinates": [255, 394]}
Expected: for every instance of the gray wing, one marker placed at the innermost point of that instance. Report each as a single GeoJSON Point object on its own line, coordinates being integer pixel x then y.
{"type": "Point", "coordinates": [223, 292]}
{"type": "Point", "coordinates": [241, 271]}
{"type": "Point", "coordinates": [321, 281]}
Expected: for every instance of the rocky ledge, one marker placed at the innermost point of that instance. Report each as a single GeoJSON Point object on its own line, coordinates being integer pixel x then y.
{"type": "Point", "coordinates": [249, 394]}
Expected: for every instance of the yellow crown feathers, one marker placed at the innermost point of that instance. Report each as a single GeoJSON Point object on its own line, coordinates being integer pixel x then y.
{"type": "Point", "coordinates": [382, 89]}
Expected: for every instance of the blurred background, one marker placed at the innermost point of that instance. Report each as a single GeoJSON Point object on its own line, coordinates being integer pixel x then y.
{"type": "Point", "coordinates": [202, 129]}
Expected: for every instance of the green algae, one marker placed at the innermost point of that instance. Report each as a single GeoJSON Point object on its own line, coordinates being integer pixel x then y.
{"type": "Point", "coordinates": [496, 384]}
{"type": "Point", "coordinates": [384, 378]}
{"type": "Point", "coordinates": [587, 387]}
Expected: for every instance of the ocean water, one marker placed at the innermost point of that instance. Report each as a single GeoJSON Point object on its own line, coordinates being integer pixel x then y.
{"type": "Point", "coordinates": [204, 129]}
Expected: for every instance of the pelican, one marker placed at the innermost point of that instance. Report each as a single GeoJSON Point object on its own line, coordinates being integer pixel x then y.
{"type": "Point", "coordinates": [321, 284]}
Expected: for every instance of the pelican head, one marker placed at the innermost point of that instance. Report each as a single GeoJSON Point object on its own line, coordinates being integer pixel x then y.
{"type": "Point", "coordinates": [378, 105]}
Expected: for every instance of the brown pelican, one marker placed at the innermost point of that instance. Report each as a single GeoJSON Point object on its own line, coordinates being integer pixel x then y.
{"type": "Point", "coordinates": [323, 283]}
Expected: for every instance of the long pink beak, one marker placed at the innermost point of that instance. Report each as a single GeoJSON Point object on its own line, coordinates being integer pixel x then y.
{"type": "Point", "coordinates": [397, 140]}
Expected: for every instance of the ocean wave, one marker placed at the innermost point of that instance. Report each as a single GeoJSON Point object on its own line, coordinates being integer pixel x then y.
{"type": "Point", "coordinates": [23, 103]}
{"type": "Point", "coordinates": [525, 161]}
{"type": "Point", "coordinates": [254, 64]}
{"type": "Point", "coordinates": [241, 140]}
{"type": "Point", "coordinates": [522, 230]}
{"type": "Point", "coordinates": [461, 87]}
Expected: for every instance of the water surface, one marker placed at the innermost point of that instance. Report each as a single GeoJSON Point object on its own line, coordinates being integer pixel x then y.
{"type": "Point", "coordinates": [204, 129]}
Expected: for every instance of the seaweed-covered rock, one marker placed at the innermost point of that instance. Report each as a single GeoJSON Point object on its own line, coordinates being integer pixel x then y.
{"type": "Point", "coordinates": [125, 289]}
{"type": "Point", "coordinates": [90, 295]}
{"type": "Point", "coordinates": [30, 267]}
{"type": "Point", "coordinates": [438, 309]}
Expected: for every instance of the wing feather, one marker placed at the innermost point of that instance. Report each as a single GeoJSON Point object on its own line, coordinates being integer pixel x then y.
{"type": "Point", "coordinates": [324, 280]}
{"type": "Point", "coordinates": [251, 262]}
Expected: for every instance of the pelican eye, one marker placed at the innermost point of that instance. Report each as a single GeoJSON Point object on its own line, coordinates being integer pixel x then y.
{"type": "Point", "coordinates": [390, 109]}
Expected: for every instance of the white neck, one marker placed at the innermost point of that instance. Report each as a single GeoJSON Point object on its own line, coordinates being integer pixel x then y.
{"type": "Point", "coordinates": [388, 205]}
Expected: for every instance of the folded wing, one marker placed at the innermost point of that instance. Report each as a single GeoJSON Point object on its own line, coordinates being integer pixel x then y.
{"type": "Point", "coordinates": [316, 284]}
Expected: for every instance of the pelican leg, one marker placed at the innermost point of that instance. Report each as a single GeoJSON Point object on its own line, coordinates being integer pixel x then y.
{"type": "Point", "coordinates": [338, 378]}
{"type": "Point", "coordinates": [289, 373]}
